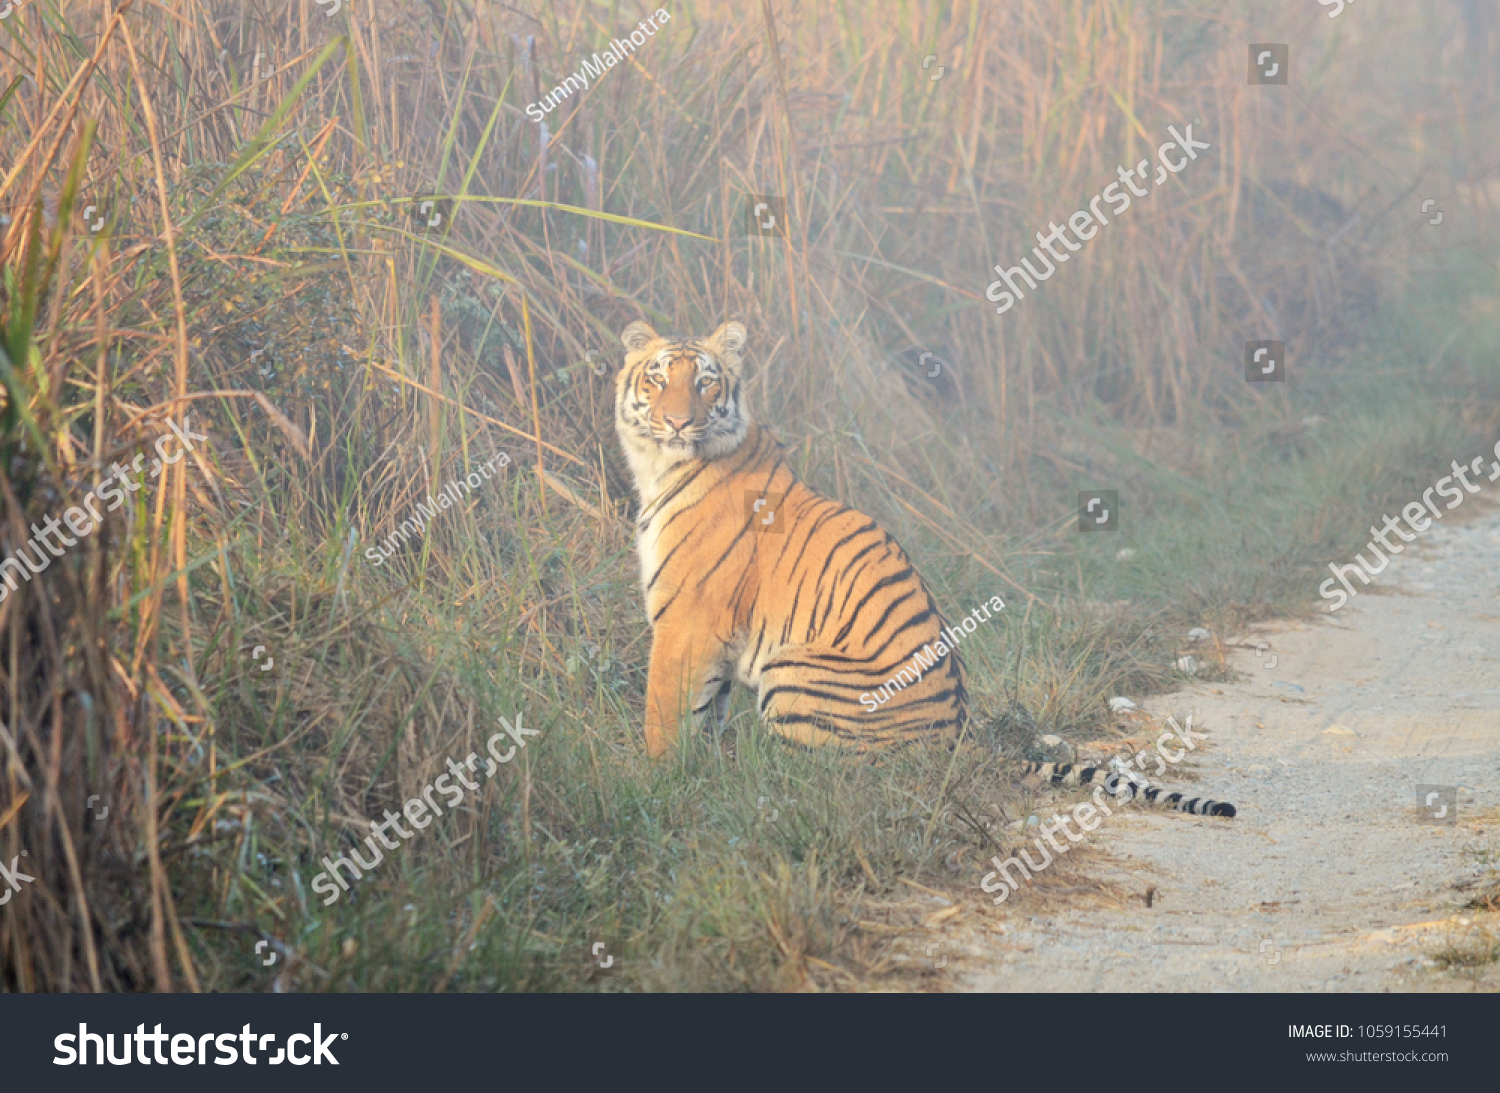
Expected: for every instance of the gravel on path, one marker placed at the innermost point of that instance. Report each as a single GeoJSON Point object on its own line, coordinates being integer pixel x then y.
{"type": "Point", "coordinates": [1329, 879]}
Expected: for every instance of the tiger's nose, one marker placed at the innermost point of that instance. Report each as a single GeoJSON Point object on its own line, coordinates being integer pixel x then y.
{"type": "Point", "coordinates": [678, 423]}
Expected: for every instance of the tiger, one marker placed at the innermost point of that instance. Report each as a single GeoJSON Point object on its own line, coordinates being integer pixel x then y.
{"type": "Point", "coordinates": [750, 575]}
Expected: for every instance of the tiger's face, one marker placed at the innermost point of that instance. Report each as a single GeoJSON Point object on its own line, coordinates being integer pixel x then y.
{"type": "Point", "coordinates": [679, 398]}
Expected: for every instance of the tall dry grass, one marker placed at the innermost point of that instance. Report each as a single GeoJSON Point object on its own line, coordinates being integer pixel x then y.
{"type": "Point", "coordinates": [259, 167]}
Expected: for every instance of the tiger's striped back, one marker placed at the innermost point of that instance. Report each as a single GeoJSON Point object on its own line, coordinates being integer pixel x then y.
{"type": "Point", "coordinates": [748, 574]}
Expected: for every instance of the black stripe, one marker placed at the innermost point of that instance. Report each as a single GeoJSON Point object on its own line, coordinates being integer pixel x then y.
{"type": "Point", "coordinates": [914, 729]}
{"type": "Point", "coordinates": [775, 466]}
{"type": "Point", "coordinates": [786, 540]}
{"type": "Point", "coordinates": [834, 510]}
{"type": "Point", "coordinates": [940, 699]}
{"type": "Point", "coordinates": [851, 678]}
{"type": "Point", "coordinates": [718, 692]}
{"type": "Point", "coordinates": [812, 614]}
{"type": "Point", "coordinates": [854, 581]}
{"type": "Point", "coordinates": [652, 582]}
{"type": "Point", "coordinates": [744, 530]}
{"type": "Point", "coordinates": [758, 639]}
{"type": "Point", "coordinates": [735, 595]}
{"type": "Point", "coordinates": [828, 561]}
{"type": "Point", "coordinates": [833, 588]}
{"type": "Point", "coordinates": [952, 694]}
{"type": "Point", "coordinates": [725, 556]}
{"type": "Point", "coordinates": [873, 630]}
{"type": "Point", "coordinates": [826, 726]}
{"type": "Point", "coordinates": [838, 658]}
{"type": "Point", "coordinates": [685, 510]}
{"type": "Point", "coordinates": [655, 508]}
{"type": "Point", "coordinates": [884, 582]}
{"type": "Point", "coordinates": [791, 615]}
{"type": "Point", "coordinates": [916, 620]}
{"type": "Point", "coordinates": [871, 683]}
{"type": "Point", "coordinates": [724, 480]}
{"type": "Point", "coordinates": [793, 688]}
{"type": "Point", "coordinates": [846, 571]}
{"type": "Point", "coordinates": [664, 606]}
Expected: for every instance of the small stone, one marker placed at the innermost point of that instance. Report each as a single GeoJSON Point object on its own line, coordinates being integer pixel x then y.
{"type": "Point", "coordinates": [1197, 633]}
{"type": "Point", "coordinates": [1120, 704]}
{"type": "Point", "coordinates": [1051, 749]}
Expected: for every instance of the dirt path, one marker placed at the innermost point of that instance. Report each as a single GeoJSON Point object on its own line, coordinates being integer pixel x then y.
{"type": "Point", "coordinates": [1327, 864]}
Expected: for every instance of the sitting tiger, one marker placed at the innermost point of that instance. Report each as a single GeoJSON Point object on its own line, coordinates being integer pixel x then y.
{"type": "Point", "coordinates": [750, 574]}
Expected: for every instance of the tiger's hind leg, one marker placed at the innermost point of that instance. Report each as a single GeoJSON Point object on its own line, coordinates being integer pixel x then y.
{"type": "Point", "coordinates": [817, 697]}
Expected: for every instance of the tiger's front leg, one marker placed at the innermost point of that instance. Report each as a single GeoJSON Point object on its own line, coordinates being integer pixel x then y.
{"type": "Point", "coordinates": [683, 679]}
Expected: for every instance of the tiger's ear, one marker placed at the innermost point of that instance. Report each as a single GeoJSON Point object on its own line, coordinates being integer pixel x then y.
{"type": "Point", "coordinates": [637, 336]}
{"type": "Point", "coordinates": [726, 343]}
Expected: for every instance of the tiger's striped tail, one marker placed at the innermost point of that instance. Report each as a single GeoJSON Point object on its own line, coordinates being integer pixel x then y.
{"type": "Point", "coordinates": [1125, 786]}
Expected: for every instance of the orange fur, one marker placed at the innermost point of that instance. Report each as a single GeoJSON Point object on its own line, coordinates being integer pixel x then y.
{"type": "Point", "coordinates": [816, 607]}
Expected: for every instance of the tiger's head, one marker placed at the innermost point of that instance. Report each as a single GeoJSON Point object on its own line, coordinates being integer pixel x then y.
{"type": "Point", "coordinates": [679, 398]}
